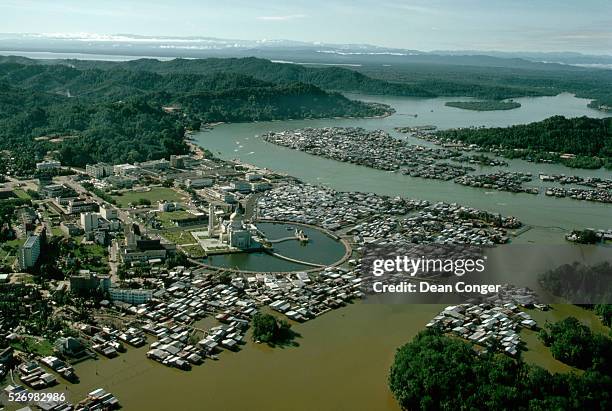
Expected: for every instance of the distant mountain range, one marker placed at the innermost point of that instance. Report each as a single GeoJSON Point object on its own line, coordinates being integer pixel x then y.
{"type": "Point", "coordinates": [288, 51]}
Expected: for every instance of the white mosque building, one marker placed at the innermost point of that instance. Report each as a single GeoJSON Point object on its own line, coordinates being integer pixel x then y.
{"type": "Point", "coordinates": [234, 232]}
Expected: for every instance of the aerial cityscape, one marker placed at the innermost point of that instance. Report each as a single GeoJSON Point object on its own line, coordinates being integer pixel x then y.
{"type": "Point", "coordinates": [409, 208]}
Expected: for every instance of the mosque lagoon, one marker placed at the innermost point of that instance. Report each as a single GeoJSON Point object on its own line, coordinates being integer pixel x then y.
{"type": "Point", "coordinates": [268, 246]}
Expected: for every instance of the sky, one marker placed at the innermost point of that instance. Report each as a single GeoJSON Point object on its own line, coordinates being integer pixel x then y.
{"type": "Point", "coordinates": [505, 25]}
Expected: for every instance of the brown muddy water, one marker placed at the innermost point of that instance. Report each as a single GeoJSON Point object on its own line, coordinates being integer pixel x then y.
{"type": "Point", "coordinates": [341, 363]}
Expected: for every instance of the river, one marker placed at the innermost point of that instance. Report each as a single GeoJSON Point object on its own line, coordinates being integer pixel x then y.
{"type": "Point", "coordinates": [341, 363]}
{"type": "Point", "coordinates": [548, 215]}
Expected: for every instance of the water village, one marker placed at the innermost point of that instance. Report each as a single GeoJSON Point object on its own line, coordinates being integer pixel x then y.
{"type": "Point", "coordinates": [490, 327]}
{"type": "Point", "coordinates": [378, 149]}
{"type": "Point", "coordinates": [374, 219]}
{"type": "Point", "coordinates": [501, 180]}
{"type": "Point", "coordinates": [370, 148]}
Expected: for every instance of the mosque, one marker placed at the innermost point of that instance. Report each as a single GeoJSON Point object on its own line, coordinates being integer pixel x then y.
{"type": "Point", "coordinates": [234, 232]}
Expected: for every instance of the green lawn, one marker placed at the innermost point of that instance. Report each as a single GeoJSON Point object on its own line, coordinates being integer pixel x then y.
{"type": "Point", "coordinates": [21, 194]}
{"type": "Point", "coordinates": [154, 195]}
{"type": "Point", "coordinates": [194, 251]}
{"type": "Point", "coordinates": [178, 237]}
{"type": "Point", "coordinates": [94, 250]}
{"type": "Point", "coordinates": [31, 345]}
{"type": "Point", "coordinates": [55, 230]}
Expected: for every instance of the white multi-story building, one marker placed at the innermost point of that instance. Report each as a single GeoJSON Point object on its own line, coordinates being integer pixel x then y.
{"type": "Point", "coordinates": [241, 186]}
{"type": "Point", "coordinates": [125, 169]}
{"type": "Point", "coordinates": [29, 253]}
{"type": "Point", "coordinates": [130, 296]}
{"type": "Point", "coordinates": [250, 177]}
{"type": "Point", "coordinates": [109, 213]}
{"type": "Point", "coordinates": [165, 206]}
{"type": "Point", "coordinates": [198, 182]}
{"type": "Point", "coordinates": [99, 170]}
{"type": "Point", "coordinates": [89, 221]}
{"type": "Point", "coordinates": [261, 186]}
{"type": "Point", "coordinates": [80, 205]}
{"type": "Point", "coordinates": [130, 255]}
{"type": "Point", "coordinates": [161, 164]}
{"type": "Point", "coordinates": [176, 161]}
{"type": "Point", "coordinates": [48, 165]}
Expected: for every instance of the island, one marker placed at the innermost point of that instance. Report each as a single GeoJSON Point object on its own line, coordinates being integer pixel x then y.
{"type": "Point", "coordinates": [486, 105]}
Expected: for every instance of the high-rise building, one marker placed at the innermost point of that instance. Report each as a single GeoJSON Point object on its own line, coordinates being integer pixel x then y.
{"type": "Point", "coordinates": [87, 281]}
{"type": "Point", "coordinates": [89, 221]}
{"type": "Point", "coordinates": [176, 161]}
{"type": "Point", "coordinates": [29, 253]}
{"type": "Point", "coordinates": [109, 213]}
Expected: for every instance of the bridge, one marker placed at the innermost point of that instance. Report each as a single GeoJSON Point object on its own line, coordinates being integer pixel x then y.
{"type": "Point", "coordinates": [293, 260]}
{"type": "Point", "coordinates": [281, 240]}
{"type": "Point", "coordinates": [298, 235]}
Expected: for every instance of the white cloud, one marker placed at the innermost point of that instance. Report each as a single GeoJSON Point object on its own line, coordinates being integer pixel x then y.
{"type": "Point", "coordinates": [282, 18]}
{"type": "Point", "coordinates": [410, 7]}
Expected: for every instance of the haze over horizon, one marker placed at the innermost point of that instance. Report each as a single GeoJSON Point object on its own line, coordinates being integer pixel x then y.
{"type": "Point", "coordinates": [525, 26]}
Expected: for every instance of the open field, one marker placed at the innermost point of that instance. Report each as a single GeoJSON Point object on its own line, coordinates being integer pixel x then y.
{"type": "Point", "coordinates": [154, 195]}
{"type": "Point", "coordinates": [22, 194]}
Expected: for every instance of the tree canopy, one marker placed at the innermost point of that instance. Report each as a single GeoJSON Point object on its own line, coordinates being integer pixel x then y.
{"type": "Point", "coordinates": [435, 372]}
{"type": "Point", "coordinates": [582, 136]}
{"type": "Point", "coordinates": [117, 115]}
{"type": "Point", "coordinates": [268, 329]}
{"type": "Point", "coordinates": [575, 344]}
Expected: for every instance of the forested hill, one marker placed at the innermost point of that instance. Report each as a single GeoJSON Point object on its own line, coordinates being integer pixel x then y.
{"type": "Point", "coordinates": [396, 78]}
{"type": "Point", "coordinates": [207, 97]}
{"type": "Point", "coordinates": [403, 79]}
{"type": "Point", "coordinates": [116, 115]}
{"type": "Point", "coordinates": [582, 136]}
{"type": "Point", "coordinates": [501, 82]}
{"type": "Point", "coordinates": [125, 80]}
{"type": "Point", "coordinates": [327, 78]}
